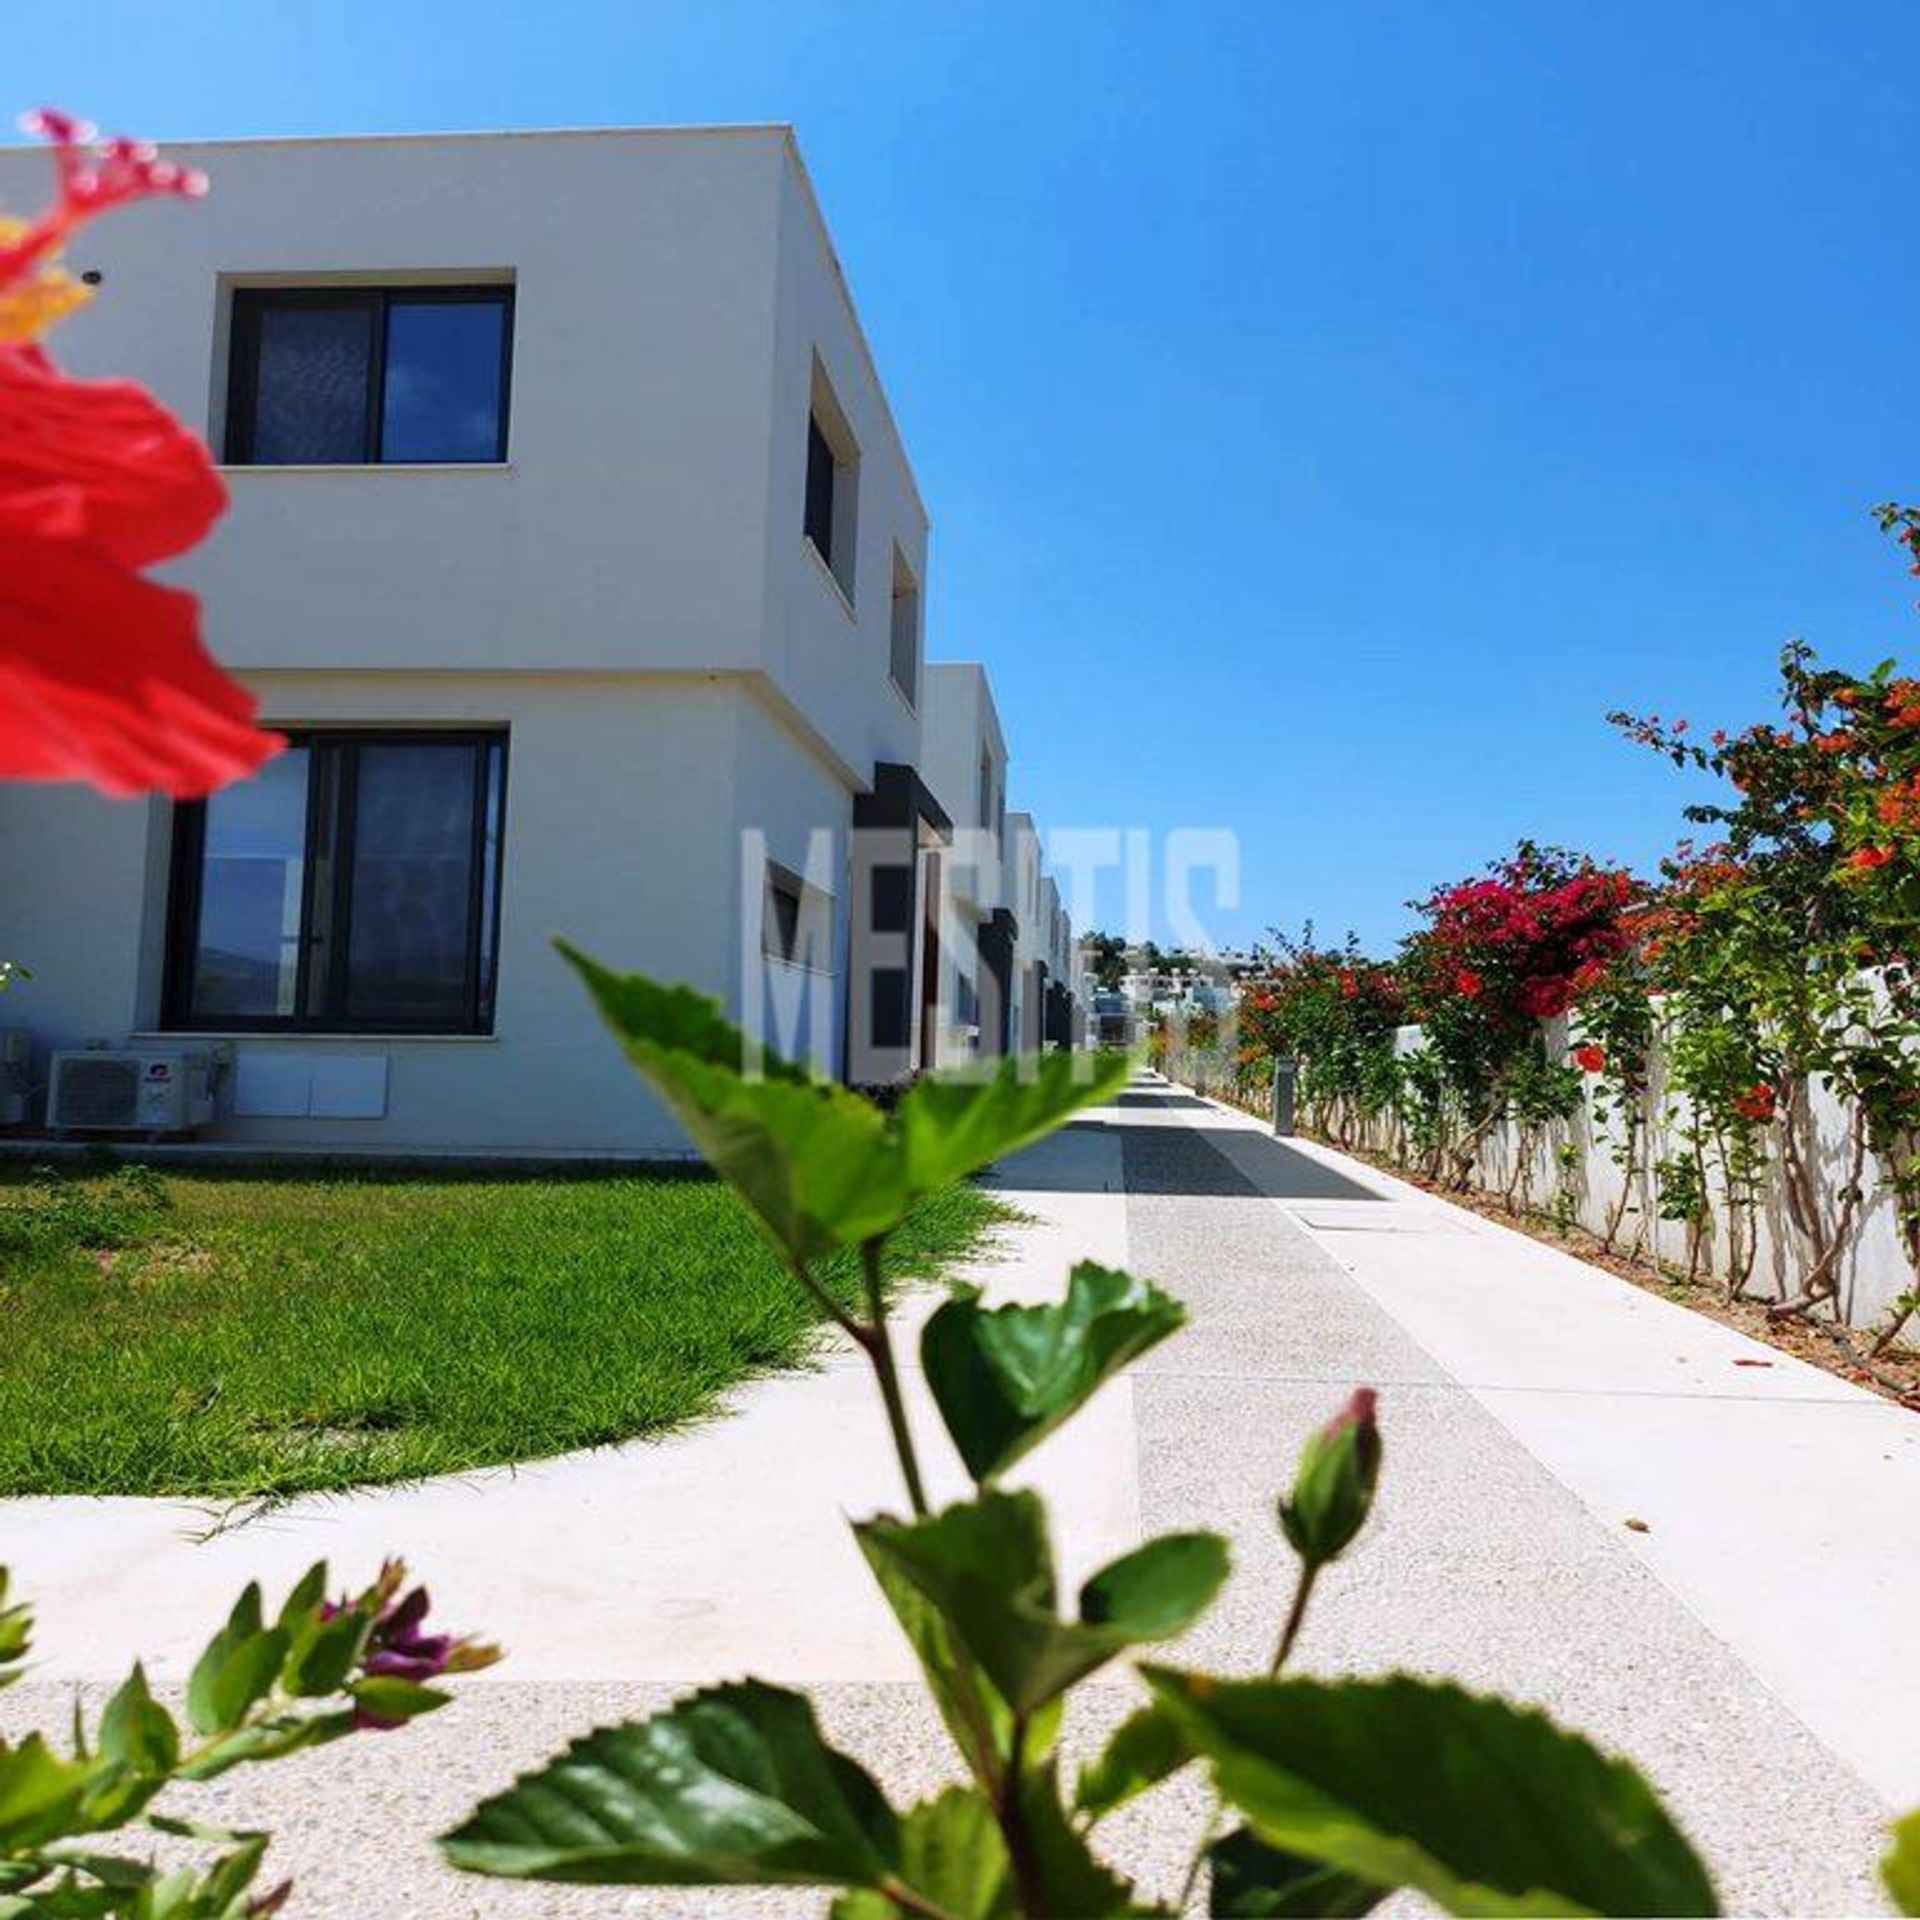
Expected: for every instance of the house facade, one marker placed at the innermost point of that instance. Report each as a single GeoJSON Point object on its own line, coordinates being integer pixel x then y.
{"type": "Point", "coordinates": [965, 757]}
{"type": "Point", "coordinates": [574, 547]}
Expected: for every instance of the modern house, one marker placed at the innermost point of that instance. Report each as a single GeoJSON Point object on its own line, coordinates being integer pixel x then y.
{"type": "Point", "coordinates": [1062, 1021]}
{"type": "Point", "coordinates": [964, 754]}
{"type": "Point", "coordinates": [574, 547]}
{"type": "Point", "coordinates": [1032, 941]}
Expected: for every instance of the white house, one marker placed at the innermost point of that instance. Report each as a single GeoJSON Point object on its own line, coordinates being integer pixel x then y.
{"type": "Point", "coordinates": [964, 756]}
{"type": "Point", "coordinates": [574, 546]}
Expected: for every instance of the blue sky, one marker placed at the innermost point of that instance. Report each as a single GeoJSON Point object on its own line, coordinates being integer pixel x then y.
{"type": "Point", "coordinates": [1328, 411]}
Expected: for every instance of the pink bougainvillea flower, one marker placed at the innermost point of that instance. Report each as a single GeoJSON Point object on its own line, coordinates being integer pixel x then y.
{"type": "Point", "coordinates": [103, 677]}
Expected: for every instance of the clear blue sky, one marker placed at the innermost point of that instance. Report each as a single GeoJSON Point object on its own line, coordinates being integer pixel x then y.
{"type": "Point", "coordinates": [1327, 411]}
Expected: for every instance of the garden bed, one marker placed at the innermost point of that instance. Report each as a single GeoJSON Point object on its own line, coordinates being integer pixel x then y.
{"type": "Point", "coordinates": [235, 1336]}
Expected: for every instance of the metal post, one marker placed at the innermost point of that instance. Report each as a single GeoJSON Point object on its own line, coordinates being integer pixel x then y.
{"type": "Point", "coordinates": [1284, 1075]}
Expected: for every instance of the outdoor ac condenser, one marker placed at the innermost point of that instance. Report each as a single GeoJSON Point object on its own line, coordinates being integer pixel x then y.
{"type": "Point", "coordinates": [97, 1091]}
{"type": "Point", "coordinates": [16, 1074]}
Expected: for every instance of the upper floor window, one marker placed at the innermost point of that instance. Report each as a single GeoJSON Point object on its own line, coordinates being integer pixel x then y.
{"type": "Point", "coordinates": [833, 483]}
{"type": "Point", "coordinates": [904, 655]}
{"type": "Point", "coordinates": [356, 376]}
{"type": "Point", "coordinates": [353, 884]}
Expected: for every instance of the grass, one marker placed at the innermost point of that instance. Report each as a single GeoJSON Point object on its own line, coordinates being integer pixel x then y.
{"type": "Point", "coordinates": [239, 1336]}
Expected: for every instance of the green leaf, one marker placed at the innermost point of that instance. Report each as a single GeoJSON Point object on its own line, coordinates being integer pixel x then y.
{"type": "Point", "coordinates": [324, 1652]}
{"type": "Point", "coordinates": [953, 1124]}
{"type": "Point", "coordinates": [306, 1599]}
{"type": "Point", "coordinates": [269, 1740]}
{"type": "Point", "coordinates": [16, 1634]}
{"type": "Point", "coordinates": [1004, 1379]}
{"type": "Point", "coordinates": [39, 1793]}
{"type": "Point", "coordinates": [387, 1697]}
{"type": "Point", "coordinates": [1901, 1867]}
{"type": "Point", "coordinates": [1484, 1807]}
{"type": "Point", "coordinates": [979, 1720]}
{"type": "Point", "coordinates": [816, 1163]}
{"type": "Point", "coordinates": [952, 1854]}
{"type": "Point", "coordinates": [987, 1566]}
{"type": "Point", "coordinates": [1146, 1748]}
{"type": "Point", "coordinates": [110, 1869]}
{"type": "Point", "coordinates": [238, 1669]}
{"type": "Point", "coordinates": [233, 1873]}
{"type": "Point", "coordinates": [1253, 1881]}
{"type": "Point", "coordinates": [733, 1784]}
{"type": "Point", "coordinates": [136, 1731]}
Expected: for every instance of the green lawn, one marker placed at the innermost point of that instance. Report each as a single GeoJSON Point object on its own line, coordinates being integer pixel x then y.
{"type": "Point", "coordinates": [243, 1335]}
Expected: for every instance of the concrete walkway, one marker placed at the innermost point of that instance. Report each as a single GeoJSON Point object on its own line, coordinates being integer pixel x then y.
{"type": "Point", "coordinates": [1744, 1649]}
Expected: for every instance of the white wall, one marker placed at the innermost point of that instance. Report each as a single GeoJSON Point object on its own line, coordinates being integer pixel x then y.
{"type": "Point", "coordinates": [827, 652]}
{"type": "Point", "coordinates": [959, 721]}
{"type": "Point", "coordinates": [625, 801]}
{"type": "Point", "coordinates": [1872, 1276]}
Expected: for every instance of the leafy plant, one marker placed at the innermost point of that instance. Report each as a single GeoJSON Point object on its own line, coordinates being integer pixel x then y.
{"type": "Point", "coordinates": [315, 1672]}
{"type": "Point", "coordinates": [1330, 1794]}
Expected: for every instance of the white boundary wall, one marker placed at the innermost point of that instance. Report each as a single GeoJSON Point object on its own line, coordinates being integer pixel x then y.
{"type": "Point", "coordinates": [1871, 1276]}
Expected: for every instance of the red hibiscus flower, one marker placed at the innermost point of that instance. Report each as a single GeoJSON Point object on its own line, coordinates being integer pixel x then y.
{"type": "Point", "coordinates": [1867, 858]}
{"type": "Point", "coordinates": [1468, 983]}
{"type": "Point", "coordinates": [1757, 1103]}
{"type": "Point", "coordinates": [1589, 1058]}
{"type": "Point", "coordinates": [103, 677]}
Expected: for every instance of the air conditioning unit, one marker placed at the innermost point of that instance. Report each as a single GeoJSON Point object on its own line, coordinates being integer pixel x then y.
{"type": "Point", "coordinates": [16, 1074]}
{"type": "Point", "coordinates": [100, 1091]}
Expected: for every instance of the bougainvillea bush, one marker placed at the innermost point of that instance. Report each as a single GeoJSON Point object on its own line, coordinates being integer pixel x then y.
{"type": "Point", "coordinates": [1709, 1021]}
{"type": "Point", "coordinates": [1335, 1012]}
{"type": "Point", "coordinates": [1496, 956]}
{"type": "Point", "coordinates": [1786, 953]}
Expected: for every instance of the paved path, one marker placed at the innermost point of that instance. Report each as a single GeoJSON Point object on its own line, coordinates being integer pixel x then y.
{"type": "Point", "coordinates": [1531, 1406]}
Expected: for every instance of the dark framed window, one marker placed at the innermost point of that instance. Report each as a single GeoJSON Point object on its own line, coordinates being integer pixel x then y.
{"type": "Point", "coordinates": [780, 937]}
{"type": "Point", "coordinates": [352, 885]}
{"type": "Point", "coordinates": [820, 484]}
{"type": "Point", "coordinates": [356, 376]}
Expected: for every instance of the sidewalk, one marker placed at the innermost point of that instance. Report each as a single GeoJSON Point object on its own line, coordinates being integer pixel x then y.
{"type": "Point", "coordinates": [1782, 1503]}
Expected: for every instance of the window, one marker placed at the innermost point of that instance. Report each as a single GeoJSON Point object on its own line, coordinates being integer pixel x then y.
{"type": "Point", "coordinates": [819, 491]}
{"type": "Point", "coordinates": [993, 796]}
{"type": "Point", "coordinates": [833, 483]}
{"type": "Point", "coordinates": [328, 376]}
{"type": "Point", "coordinates": [352, 885]}
{"type": "Point", "coordinates": [904, 657]}
{"type": "Point", "coordinates": [797, 926]}
{"type": "Point", "coordinates": [782, 936]}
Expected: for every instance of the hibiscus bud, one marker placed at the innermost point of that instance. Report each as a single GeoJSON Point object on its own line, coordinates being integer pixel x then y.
{"type": "Point", "coordinates": [1333, 1486]}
